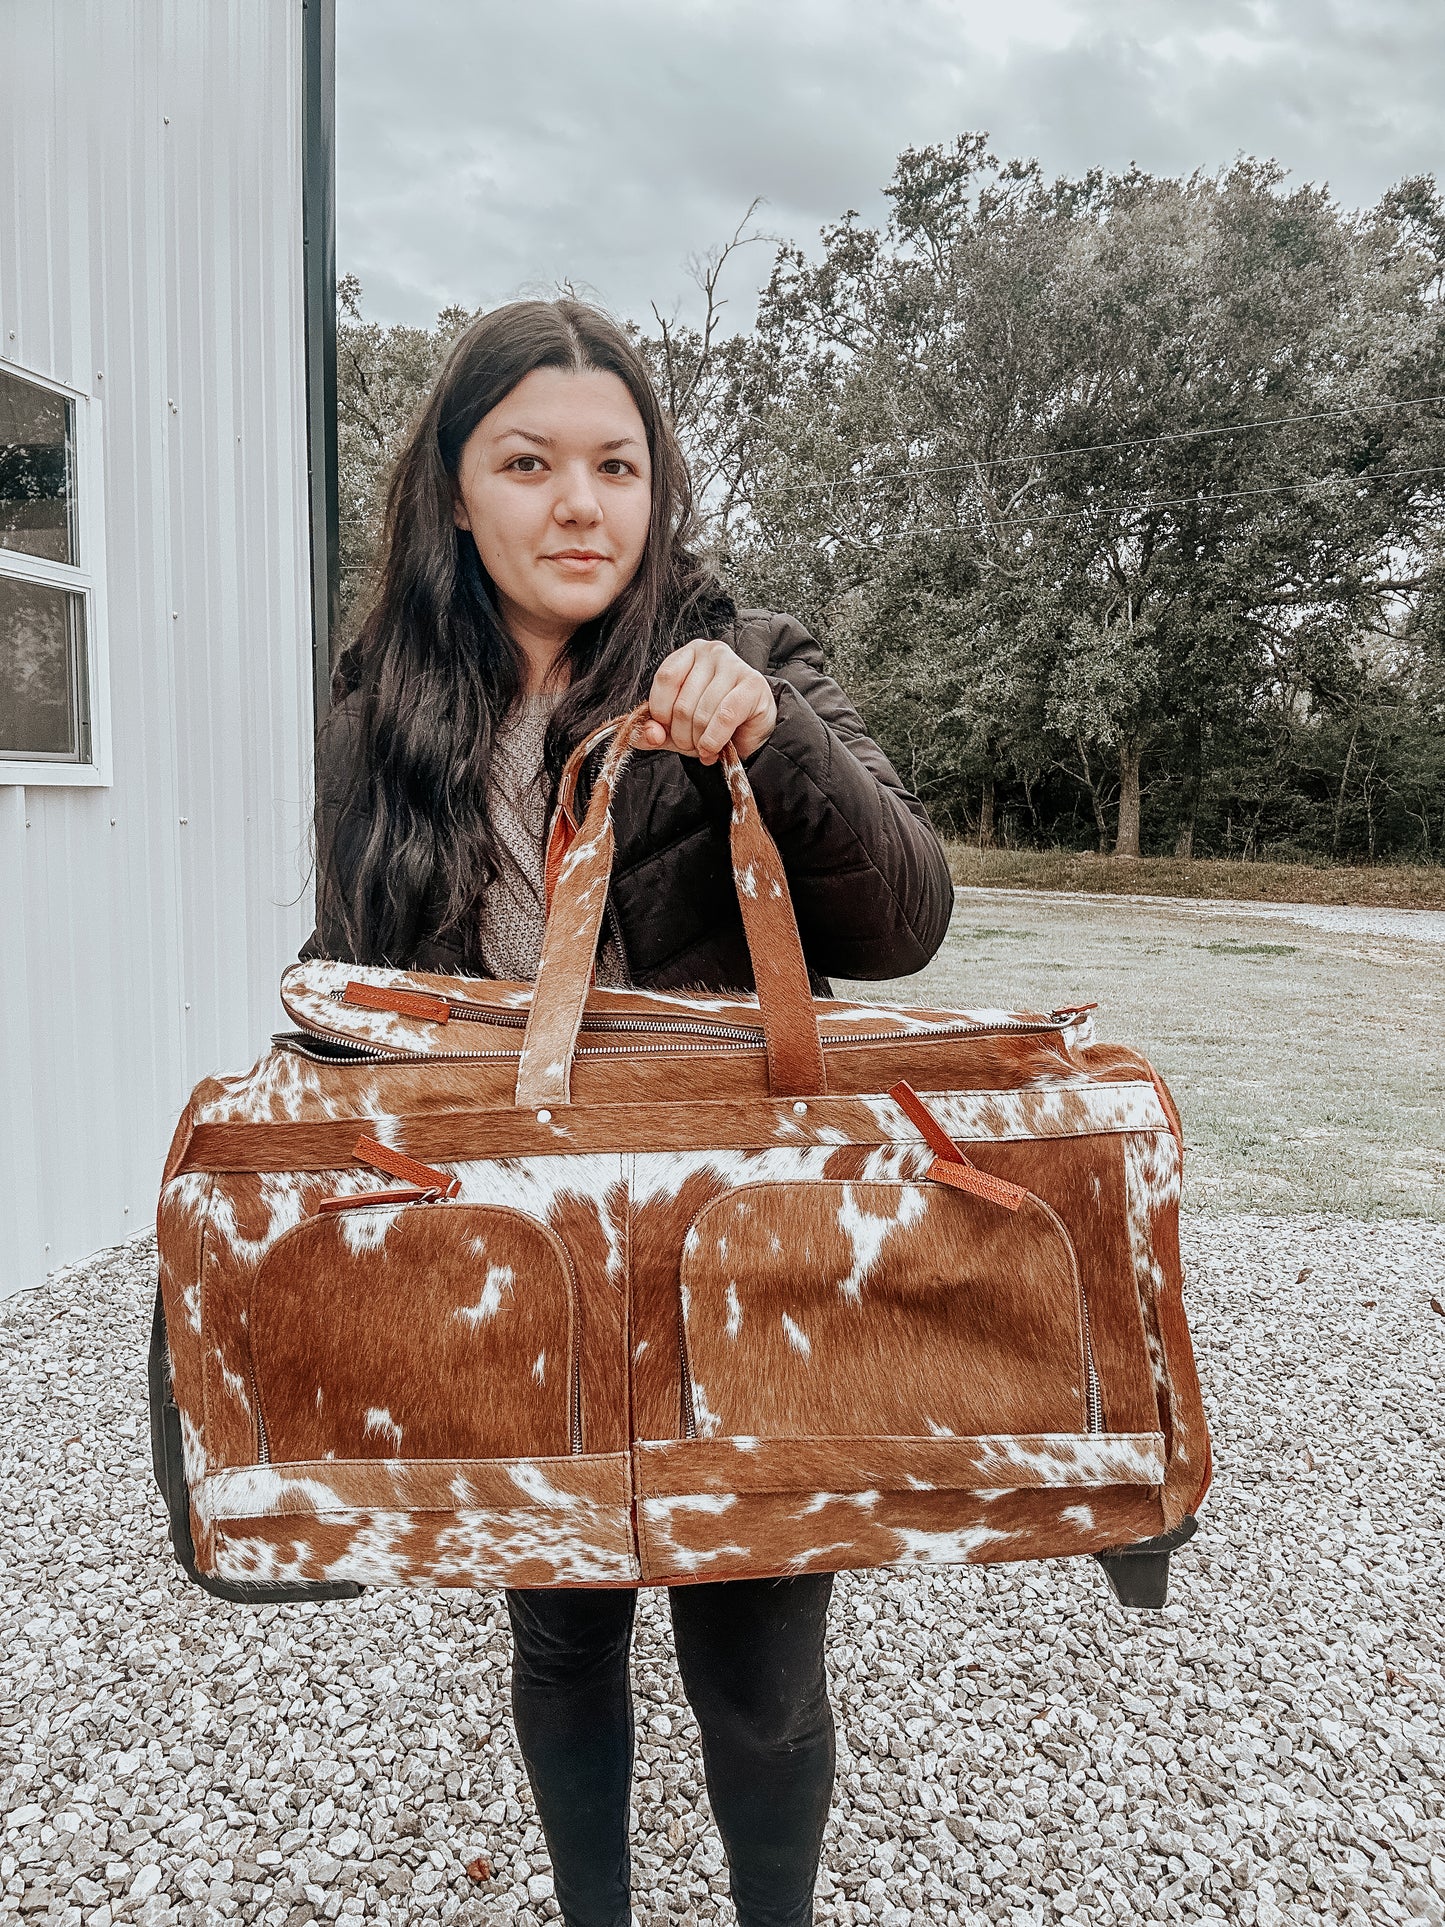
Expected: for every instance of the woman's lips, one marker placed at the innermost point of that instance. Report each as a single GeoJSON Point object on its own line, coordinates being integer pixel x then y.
{"type": "Point", "coordinates": [577, 560]}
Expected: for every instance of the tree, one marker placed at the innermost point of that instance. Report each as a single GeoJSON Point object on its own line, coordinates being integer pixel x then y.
{"type": "Point", "coordinates": [1116, 501]}
{"type": "Point", "coordinates": [1126, 437]}
{"type": "Point", "coordinates": [383, 375]}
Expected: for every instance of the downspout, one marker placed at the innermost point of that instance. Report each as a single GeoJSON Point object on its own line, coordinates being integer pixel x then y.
{"type": "Point", "coordinates": [318, 245]}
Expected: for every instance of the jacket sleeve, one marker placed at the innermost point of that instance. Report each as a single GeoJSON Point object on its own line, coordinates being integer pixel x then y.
{"type": "Point", "coordinates": [868, 875]}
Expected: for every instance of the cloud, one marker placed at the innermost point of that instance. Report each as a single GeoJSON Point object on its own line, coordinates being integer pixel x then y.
{"type": "Point", "coordinates": [487, 149]}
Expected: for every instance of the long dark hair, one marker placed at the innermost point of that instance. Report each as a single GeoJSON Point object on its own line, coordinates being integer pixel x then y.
{"type": "Point", "coordinates": [433, 668]}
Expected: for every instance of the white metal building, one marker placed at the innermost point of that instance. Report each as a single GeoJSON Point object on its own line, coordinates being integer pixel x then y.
{"type": "Point", "coordinates": [157, 585]}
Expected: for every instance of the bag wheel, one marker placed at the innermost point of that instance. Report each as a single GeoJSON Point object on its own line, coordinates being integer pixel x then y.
{"type": "Point", "coordinates": [1139, 1574]}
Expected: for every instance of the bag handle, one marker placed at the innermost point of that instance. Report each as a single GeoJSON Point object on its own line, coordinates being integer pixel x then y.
{"type": "Point", "coordinates": [578, 893]}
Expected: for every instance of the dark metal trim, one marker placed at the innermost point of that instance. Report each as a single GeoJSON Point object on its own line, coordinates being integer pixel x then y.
{"type": "Point", "coordinates": [1139, 1574]}
{"type": "Point", "coordinates": [318, 243]}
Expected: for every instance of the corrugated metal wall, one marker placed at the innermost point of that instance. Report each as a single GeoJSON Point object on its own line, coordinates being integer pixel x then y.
{"type": "Point", "coordinates": [150, 254]}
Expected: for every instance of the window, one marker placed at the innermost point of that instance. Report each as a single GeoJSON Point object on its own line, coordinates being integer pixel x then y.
{"type": "Point", "coordinates": [49, 542]}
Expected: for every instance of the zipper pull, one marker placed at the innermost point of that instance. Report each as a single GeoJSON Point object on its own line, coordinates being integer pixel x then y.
{"type": "Point", "coordinates": [1073, 1010]}
{"type": "Point", "coordinates": [396, 1164]}
{"type": "Point", "coordinates": [401, 1003]}
{"type": "Point", "coordinates": [399, 1194]}
{"type": "Point", "coordinates": [949, 1165]}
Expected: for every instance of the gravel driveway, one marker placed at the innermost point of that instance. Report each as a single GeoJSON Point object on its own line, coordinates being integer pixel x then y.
{"type": "Point", "coordinates": [1012, 1745]}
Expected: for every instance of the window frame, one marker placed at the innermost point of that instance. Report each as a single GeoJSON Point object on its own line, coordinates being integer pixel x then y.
{"type": "Point", "coordinates": [84, 579]}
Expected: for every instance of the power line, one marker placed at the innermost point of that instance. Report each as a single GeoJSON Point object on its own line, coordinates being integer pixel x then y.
{"type": "Point", "coordinates": [1167, 502]}
{"type": "Point", "coordinates": [1107, 448]}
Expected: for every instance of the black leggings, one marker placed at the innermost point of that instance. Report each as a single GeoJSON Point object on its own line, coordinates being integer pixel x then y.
{"type": "Point", "coordinates": [750, 1652]}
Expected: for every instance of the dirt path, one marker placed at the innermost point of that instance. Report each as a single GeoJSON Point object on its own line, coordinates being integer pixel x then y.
{"type": "Point", "coordinates": [1416, 926]}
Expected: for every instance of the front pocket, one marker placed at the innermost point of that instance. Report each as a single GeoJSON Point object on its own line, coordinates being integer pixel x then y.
{"type": "Point", "coordinates": [832, 1307]}
{"type": "Point", "coordinates": [430, 1331]}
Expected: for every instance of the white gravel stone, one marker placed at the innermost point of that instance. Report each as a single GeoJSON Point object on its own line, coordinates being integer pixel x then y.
{"type": "Point", "coordinates": [1012, 1745]}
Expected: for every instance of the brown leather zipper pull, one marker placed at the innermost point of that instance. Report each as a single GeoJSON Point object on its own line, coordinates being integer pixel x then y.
{"type": "Point", "coordinates": [949, 1165]}
{"type": "Point", "coordinates": [399, 1194]}
{"type": "Point", "coordinates": [400, 1003]}
{"type": "Point", "coordinates": [397, 1164]}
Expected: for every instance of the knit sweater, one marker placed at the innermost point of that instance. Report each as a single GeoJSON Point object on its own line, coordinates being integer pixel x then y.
{"type": "Point", "coordinates": [514, 906]}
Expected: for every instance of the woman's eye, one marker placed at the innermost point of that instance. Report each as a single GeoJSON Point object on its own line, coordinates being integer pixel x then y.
{"type": "Point", "coordinates": [517, 461]}
{"type": "Point", "coordinates": [616, 466]}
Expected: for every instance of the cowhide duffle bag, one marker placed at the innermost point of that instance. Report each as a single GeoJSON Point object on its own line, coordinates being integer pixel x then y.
{"type": "Point", "coordinates": [482, 1283]}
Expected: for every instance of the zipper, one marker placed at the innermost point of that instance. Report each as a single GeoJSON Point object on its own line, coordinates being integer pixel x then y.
{"type": "Point", "coordinates": [263, 1444]}
{"type": "Point", "coordinates": [1093, 1400]}
{"type": "Point", "coordinates": [689, 1416]}
{"type": "Point", "coordinates": [462, 1010]}
{"type": "Point", "coordinates": [474, 1013]}
{"type": "Point", "coordinates": [614, 923]}
{"type": "Point", "coordinates": [576, 1383]}
{"type": "Point", "coordinates": [722, 1035]}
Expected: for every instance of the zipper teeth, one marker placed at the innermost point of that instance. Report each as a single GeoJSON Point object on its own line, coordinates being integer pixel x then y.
{"type": "Point", "coordinates": [1094, 1404]}
{"type": "Point", "coordinates": [263, 1444]}
{"type": "Point", "coordinates": [689, 1416]}
{"type": "Point", "coordinates": [725, 1036]}
{"type": "Point", "coordinates": [576, 1391]}
{"type": "Point", "coordinates": [716, 1027]}
{"type": "Point", "coordinates": [517, 1019]}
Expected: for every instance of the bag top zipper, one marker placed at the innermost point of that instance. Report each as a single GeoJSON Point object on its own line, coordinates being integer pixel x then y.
{"type": "Point", "coordinates": [718, 1033]}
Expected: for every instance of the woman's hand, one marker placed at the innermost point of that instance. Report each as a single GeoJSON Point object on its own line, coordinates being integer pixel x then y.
{"type": "Point", "coordinates": [704, 696]}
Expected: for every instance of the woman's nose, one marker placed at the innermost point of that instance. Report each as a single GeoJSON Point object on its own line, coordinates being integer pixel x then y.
{"type": "Point", "coordinates": [577, 500]}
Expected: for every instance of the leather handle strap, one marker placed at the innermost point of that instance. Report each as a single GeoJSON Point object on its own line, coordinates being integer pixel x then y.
{"type": "Point", "coordinates": [564, 826]}
{"type": "Point", "coordinates": [582, 872]}
{"type": "Point", "coordinates": [951, 1165]}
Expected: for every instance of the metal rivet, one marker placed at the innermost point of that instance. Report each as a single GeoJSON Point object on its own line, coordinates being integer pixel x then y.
{"type": "Point", "coordinates": [544, 1117]}
{"type": "Point", "coordinates": [800, 1107]}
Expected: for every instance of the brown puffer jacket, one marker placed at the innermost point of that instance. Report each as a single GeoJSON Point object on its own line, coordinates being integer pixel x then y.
{"type": "Point", "coordinates": [868, 875]}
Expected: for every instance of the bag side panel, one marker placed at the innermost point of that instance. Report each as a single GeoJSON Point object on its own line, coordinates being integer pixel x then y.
{"type": "Point", "coordinates": [1151, 1170]}
{"type": "Point", "coordinates": [182, 1214]}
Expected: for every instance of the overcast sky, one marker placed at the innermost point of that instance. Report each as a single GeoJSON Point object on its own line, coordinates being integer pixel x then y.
{"type": "Point", "coordinates": [488, 148]}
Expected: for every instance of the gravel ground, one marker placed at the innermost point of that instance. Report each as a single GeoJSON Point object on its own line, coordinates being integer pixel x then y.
{"type": "Point", "coordinates": [1013, 1747]}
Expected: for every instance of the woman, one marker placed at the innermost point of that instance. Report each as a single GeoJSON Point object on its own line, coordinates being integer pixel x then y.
{"type": "Point", "coordinates": [537, 580]}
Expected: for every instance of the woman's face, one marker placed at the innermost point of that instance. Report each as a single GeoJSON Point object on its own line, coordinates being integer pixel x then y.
{"type": "Point", "coordinates": [555, 485]}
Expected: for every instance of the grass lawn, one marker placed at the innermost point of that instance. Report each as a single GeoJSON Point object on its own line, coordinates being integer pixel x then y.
{"type": "Point", "coordinates": [1395, 886]}
{"type": "Point", "coordinates": [1308, 1064]}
